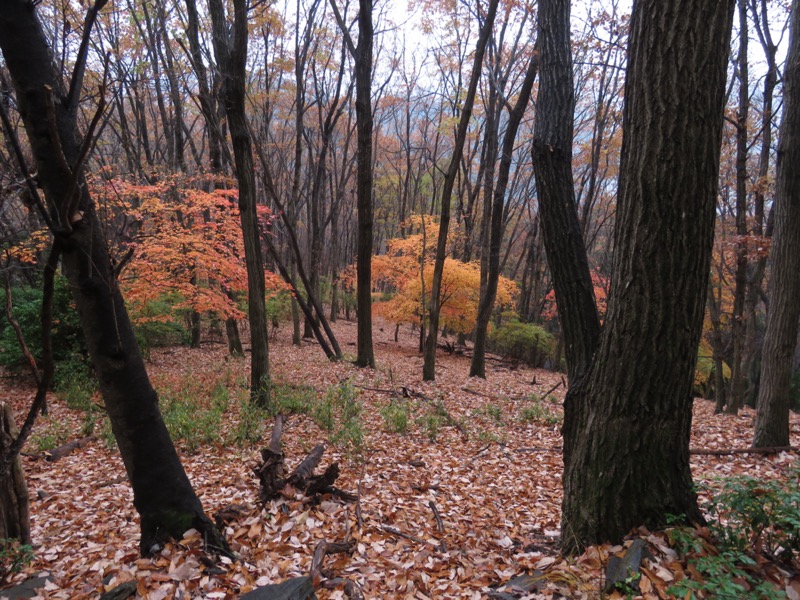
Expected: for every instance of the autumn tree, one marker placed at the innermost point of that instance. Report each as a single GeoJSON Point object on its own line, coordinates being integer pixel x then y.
{"type": "Point", "coordinates": [163, 495]}
{"type": "Point", "coordinates": [772, 419]}
{"type": "Point", "coordinates": [628, 417]}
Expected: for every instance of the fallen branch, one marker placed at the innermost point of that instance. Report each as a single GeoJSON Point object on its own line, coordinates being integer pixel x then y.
{"type": "Point", "coordinates": [402, 534]}
{"type": "Point", "coordinates": [63, 450]}
{"type": "Point", "coordinates": [769, 450]}
{"type": "Point", "coordinates": [322, 579]}
{"type": "Point", "coordinates": [553, 449]}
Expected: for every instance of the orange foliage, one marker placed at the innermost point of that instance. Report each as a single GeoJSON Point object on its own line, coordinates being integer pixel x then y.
{"type": "Point", "coordinates": [409, 261]}
{"type": "Point", "coordinates": [187, 245]}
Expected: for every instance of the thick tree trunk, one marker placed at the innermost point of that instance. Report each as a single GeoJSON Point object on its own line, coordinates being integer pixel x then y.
{"type": "Point", "coordinates": [552, 163]}
{"type": "Point", "coordinates": [772, 418]}
{"type": "Point", "coordinates": [14, 502]}
{"type": "Point", "coordinates": [163, 495]}
{"type": "Point", "coordinates": [627, 422]}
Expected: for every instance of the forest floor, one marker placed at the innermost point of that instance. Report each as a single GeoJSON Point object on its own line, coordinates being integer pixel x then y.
{"type": "Point", "coordinates": [496, 485]}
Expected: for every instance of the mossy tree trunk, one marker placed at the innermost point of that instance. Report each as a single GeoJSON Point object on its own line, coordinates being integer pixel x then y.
{"type": "Point", "coordinates": [14, 502]}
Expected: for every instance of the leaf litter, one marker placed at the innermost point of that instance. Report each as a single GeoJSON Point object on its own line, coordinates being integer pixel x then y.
{"type": "Point", "coordinates": [440, 515]}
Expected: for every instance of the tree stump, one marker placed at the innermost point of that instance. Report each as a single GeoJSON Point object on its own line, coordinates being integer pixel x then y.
{"type": "Point", "coordinates": [14, 501]}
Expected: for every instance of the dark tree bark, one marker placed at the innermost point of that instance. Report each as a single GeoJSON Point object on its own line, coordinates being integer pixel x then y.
{"type": "Point", "coordinates": [489, 292]}
{"type": "Point", "coordinates": [163, 495]}
{"type": "Point", "coordinates": [627, 421]}
{"type": "Point", "coordinates": [552, 163]}
{"type": "Point", "coordinates": [429, 359]}
{"type": "Point", "coordinates": [735, 399]}
{"type": "Point", "coordinates": [231, 52]}
{"type": "Point", "coordinates": [362, 54]}
{"type": "Point", "coordinates": [772, 418]}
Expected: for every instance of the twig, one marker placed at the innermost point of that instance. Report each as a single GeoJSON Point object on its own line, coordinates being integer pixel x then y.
{"type": "Point", "coordinates": [554, 388]}
{"type": "Point", "coordinates": [553, 449]}
{"type": "Point", "coordinates": [402, 534]}
{"type": "Point", "coordinates": [437, 516]}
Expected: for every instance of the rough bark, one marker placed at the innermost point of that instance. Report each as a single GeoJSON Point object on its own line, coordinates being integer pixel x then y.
{"type": "Point", "coordinates": [627, 422]}
{"type": "Point", "coordinates": [552, 163]}
{"type": "Point", "coordinates": [772, 417]}
{"type": "Point", "coordinates": [163, 495]}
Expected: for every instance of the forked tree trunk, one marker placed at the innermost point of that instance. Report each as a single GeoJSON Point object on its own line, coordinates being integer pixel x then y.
{"type": "Point", "coordinates": [772, 418]}
{"type": "Point", "coordinates": [627, 422]}
{"type": "Point", "coordinates": [162, 493]}
{"type": "Point", "coordinates": [14, 502]}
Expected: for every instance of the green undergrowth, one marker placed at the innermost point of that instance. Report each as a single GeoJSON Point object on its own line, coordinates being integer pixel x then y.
{"type": "Point", "coordinates": [751, 522]}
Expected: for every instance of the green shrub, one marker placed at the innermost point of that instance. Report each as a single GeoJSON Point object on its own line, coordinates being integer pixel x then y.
{"type": "Point", "coordinates": [13, 557]}
{"type": "Point", "coordinates": [157, 324]}
{"type": "Point", "coordinates": [188, 419]}
{"type": "Point", "coordinates": [350, 431]}
{"type": "Point", "coordinates": [430, 424]}
{"type": "Point", "coordinates": [279, 306]}
{"type": "Point", "coordinates": [525, 342]}
{"type": "Point", "coordinates": [68, 341]}
{"type": "Point", "coordinates": [755, 514]}
{"type": "Point", "coordinates": [746, 515]}
{"type": "Point", "coordinates": [395, 417]}
{"type": "Point", "coordinates": [291, 399]}
{"type": "Point", "coordinates": [252, 423]}
{"type": "Point", "coordinates": [538, 411]}
{"type": "Point", "coordinates": [49, 433]}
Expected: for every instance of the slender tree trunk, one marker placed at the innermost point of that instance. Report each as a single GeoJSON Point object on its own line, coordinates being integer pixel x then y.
{"type": "Point", "coordinates": [489, 293]}
{"type": "Point", "coordinates": [231, 54]}
{"type": "Point", "coordinates": [739, 326]}
{"type": "Point", "coordinates": [429, 359]}
{"type": "Point", "coordinates": [552, 163]}
{"type": "Point", "coordinates": [628, 420]}
{"type": "Point", "coordinates": [163, 495]}
{"type": "Point", "coordinates": [772, 418]}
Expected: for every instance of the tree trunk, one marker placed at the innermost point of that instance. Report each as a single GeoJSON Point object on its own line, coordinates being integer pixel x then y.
{"type": "Point", "coordinates": [738, 321]}
{"type": "Point", "coordinates": [163, 495]}
{"type": "Point", "coordinates": [772, 418]}
{"type": "Point", "coordinates": [363, 58]}
{"type": "Point", "coordinates": [429, 359]}
{"type": "Point", "coordinates": [627, 422]}
{"type": "Point", "coordinates": [14, 502]}
{"type": "Point", "coordinates": [489, 292]}
{"type": "Point", "coordinates": [231, 55]}
{"type": "Point", "coordinates": [552, 163]}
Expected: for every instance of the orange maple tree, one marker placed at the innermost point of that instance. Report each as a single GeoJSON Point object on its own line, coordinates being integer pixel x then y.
{"type": "Point", "coordinates": [405, 275]}
{"type": "Point", "coordinates": [186, 245]}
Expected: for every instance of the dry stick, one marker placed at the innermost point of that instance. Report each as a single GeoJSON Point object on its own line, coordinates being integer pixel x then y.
{"type": "Point", "coordinates": [322, 550]}
{"type": "Point", "coordinates": [768, 450]}
{"type": "Point", "coordinates": [554, 388]}
{"type": "Point", "coordinates": [437, 516]}
{"type": "Point", "coordinates": [402, 534]}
